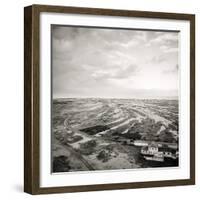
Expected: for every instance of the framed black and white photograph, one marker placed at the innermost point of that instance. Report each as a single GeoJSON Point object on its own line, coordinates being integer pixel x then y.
{"type": "Point", "coordinates": [109, 99]}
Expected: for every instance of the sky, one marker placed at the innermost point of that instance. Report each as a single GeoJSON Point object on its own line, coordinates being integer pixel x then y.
{"type": "Point", "coordinates": [114, 63]}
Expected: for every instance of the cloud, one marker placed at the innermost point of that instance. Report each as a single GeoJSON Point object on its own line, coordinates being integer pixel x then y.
{"type": "Point", "coordinates": [168, 42]}
{"type": "Point", "coordinates": [94, 61]}
{"type": "Point", "coordinates": [168, 49]}
{"type": "Point", "coordinates": [173, 70]}
{"type": "Point", "coordinates": [158, 59]}
{"type": "Point", "coordinates": [117, 72]}
{"type": "Point", "coordinates": [127, 72]}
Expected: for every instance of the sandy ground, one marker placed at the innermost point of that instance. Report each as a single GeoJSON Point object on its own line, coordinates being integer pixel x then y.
{"type": "Point", "coordinates": [88, 114]}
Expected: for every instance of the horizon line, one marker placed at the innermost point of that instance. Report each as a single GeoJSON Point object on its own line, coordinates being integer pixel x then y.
{"type": "Point", "coordinates": [164, 98]}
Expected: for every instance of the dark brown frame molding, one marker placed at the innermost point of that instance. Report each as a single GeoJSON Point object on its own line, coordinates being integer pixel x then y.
{"type": "Point", "coordinates": [32, 104]}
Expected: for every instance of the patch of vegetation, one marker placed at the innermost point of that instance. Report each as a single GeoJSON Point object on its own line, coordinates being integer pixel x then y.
{"type": "Point", "coordinates": [59, 135]}
{"type": "Point", "coordinates": [73, 138]}
{"type": "Point", "coordinates": [150, 137]}
{"type": "Point", "coordinates": [88, 147]}
{"type": "Point", "coordinates": [103, 156]}
{"type": "Point", "coordinates": [147, 126]}
{"type": "Point", "coordinates": [95, 129]}
{"type": "Point", "coordinates": [58, 121]}
{"type": "Point", "coordinates": [107, 153]}
{"type": "Point", "coordinates": [166, 136]}
{"type": "Point", "coordinates": [133, 135]}
{"type": "Point", "coordinates": [61, 164]}
{"type": "Point", "coordinates": [174, 125]}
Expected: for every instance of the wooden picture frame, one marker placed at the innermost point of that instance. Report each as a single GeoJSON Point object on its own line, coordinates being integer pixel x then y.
{"type": "Point", "coordinates": [32, 106]}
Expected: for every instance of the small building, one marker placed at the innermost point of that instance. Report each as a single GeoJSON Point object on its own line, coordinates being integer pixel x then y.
{"type": "Point", "coordinates": [151, 149]}
{"type": "Point", "coordinates": [158, 157]}
{"type": "Point", "coordinates": [168, 152]}
{"type": "Point", "coordinates": [140, 143]}
{"type": "Point", "coordinates": [156, 153]}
